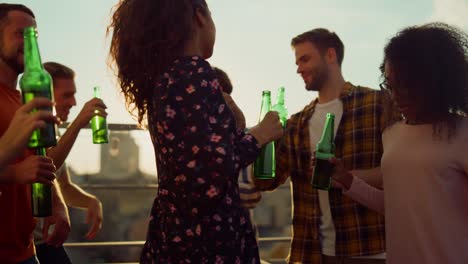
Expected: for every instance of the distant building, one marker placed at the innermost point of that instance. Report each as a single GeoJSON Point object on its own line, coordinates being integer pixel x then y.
{"type": "Point", "coordinates": [119, 158]}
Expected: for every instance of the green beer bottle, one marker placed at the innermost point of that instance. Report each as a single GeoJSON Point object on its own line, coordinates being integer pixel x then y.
{"type": "Point", "coordinates": [280, 107]}
{"type": "Point", "coordinates": [265, 164]}
{"type": "Point", "coordinates": [41, 194]}
{"type": "Point", "coordinates": [99, 124]}
{"type": "Point", "coordinates": [325, 150]}
{"type": "Point", "coordinates": [36, 82]}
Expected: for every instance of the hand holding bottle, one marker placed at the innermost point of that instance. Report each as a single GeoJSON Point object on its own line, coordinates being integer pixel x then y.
{"type": "Point", "coordinates": [93, 107]}
{"type": "Point", "coordinates": [269, 129]}
{"type": "Point", "coordinates": [34, 169]}
{"type": "Point", "coordinates": [99, 122]}
{"type": "Point", "coordinates": [15, 139]}
{"type": "Point", "coordinates": [341, 177]}
{"type": "Point", "coordinates": [280, 107]}
{"type": "Point", "coordinates": [37, 82]}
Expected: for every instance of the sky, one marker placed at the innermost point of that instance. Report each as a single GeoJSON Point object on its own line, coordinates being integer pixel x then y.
{"type": "Point", "coordinates": [252, 46]}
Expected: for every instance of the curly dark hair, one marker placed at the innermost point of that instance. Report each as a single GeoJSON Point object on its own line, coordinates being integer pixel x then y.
{"type": "Point", "coordinates": [148, 35]}
{"type": "Point", "coordinates": [430, 62]}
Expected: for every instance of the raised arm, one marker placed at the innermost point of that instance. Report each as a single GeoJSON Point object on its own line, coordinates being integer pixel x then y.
{"type": "Point", "coordinates": [196, 134]}
{"type": "Point", "coordinates": [60, 152]}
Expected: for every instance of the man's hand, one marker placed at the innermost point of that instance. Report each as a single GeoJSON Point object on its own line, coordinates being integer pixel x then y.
{"type": "Point", "coordinates": [60, 152]}
{"type": "Point", "coordinates": [61, 221]}
{"type": "Point", "coordinates": [94, 218]}
{"type": "Point", "coordinates": [34, 169]}
{"type": "Point", "coordinates": [14, 140]}
{"type": "Point", "coordinates": [90, 109]}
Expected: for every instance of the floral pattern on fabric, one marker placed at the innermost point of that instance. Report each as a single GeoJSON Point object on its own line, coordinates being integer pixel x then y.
{"type": "Point", "coordinates": [197, 215]}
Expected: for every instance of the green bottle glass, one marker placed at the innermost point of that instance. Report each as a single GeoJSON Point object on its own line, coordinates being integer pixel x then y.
{"type": "Point", "coordinates": [36, 82]}
{"type": "Point", "coordinates": [325, 150]}
{"type": "Point", "coordinates": [41, 195]}
{"type": "Point", "coordinates": [280, 107]}
{"type": "Point", "coordinates": [265, 164]}
{"type": "Point", "coordinates": [99, 124]}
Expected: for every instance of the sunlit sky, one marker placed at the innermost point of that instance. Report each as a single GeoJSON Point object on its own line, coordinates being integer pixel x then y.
{"type": "Point", "coordinates": [252, 46]}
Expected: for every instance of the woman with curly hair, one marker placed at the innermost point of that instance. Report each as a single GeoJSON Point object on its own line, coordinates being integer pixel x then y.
{"type": "Point", "coordinates": [425, 162]}
{"type": "Point", "coordinates": [160, 49]}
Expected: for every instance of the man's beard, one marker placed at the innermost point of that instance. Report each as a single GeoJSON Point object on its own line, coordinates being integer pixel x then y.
{"type": "Point", "coordinates": [59, 113]}
{"type": "Point", "coordinates": [12, 62]}
{"type": "Point", "coordinates": [320, 75]}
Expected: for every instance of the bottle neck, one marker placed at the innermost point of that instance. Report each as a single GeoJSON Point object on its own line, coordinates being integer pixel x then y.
{"type": "Point", "coordinates": [32, 57]}
{"type": "Point", "coordinates": [326, 142]}
{"type": "Point", "coordinates": [97, 92]}
{"type": "Point", "coordinates": [266, 105]}
{"type": "Point", "coordinates": [280, 98]}
{"type": "Point", "coordinates": [41, 152]}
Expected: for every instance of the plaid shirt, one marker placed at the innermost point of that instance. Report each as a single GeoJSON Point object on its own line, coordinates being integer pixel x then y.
{"type": "Point", "coordinates": [359, 231]}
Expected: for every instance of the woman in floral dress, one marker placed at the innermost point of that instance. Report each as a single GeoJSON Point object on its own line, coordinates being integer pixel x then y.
{"type": "Point", "coordinates": [159, 48]}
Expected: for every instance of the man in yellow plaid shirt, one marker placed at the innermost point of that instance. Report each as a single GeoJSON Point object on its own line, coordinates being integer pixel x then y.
{"type": "Point", "coordinates": [329, 227]}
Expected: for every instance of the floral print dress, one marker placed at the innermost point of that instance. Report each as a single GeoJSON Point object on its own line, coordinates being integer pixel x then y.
{"type": "Point", "coordinates": [196, 216]}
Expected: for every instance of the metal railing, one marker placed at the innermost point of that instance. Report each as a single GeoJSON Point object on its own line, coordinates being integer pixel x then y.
{"type": "Point", "coordinates": [141, 243]}
{"type": "Point", "coordinates": [111, 126]}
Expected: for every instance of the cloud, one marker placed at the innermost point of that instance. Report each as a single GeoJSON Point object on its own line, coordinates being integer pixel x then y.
{"type": "Point", "coordinates": [453, 12]}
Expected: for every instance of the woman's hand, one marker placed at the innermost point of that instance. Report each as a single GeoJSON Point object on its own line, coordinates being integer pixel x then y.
{"type": "Point", "coordinates": [341, 177]}
{"type": "Point", "coordinates": [269, 129]}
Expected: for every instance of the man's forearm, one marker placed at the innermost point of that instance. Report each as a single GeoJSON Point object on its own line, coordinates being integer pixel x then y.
{"type": "Point", "coordinates": [57, 198]}
{"type": "Point", "coordinates": [76, 197]}
{"type": "Point", "coordinates": [60, 152]}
